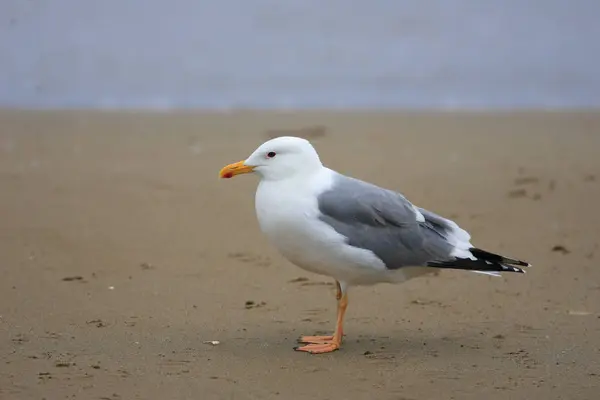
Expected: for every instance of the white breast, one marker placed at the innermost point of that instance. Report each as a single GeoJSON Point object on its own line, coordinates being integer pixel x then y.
{"type": "Point", "coordinates": [288, 214]}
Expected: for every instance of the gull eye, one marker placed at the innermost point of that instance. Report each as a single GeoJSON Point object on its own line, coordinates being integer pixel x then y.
{"type": "Point", "coordinates": [271, 154]}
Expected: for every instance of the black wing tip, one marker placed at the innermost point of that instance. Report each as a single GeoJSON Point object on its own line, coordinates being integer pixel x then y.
{"type": "Point", "coordinates": [488, 256]}
{"type": "Point", "coordinates": [475, 265]}
{"type": "Point", "coordinates": [521, 263]}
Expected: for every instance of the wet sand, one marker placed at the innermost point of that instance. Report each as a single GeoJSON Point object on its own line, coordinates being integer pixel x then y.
{"type": "Point", "coordinates": [122, 254]}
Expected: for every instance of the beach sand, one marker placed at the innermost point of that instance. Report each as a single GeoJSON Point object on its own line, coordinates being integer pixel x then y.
{"type": "Point", "coordinates": [122, 255]}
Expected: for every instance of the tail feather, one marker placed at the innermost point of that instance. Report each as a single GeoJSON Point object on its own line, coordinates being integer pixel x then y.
{"type": "Point", "coordinates": [483, 262]}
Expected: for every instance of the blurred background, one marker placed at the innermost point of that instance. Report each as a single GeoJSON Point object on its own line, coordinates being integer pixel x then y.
{"type": "Point", "coordinates": [298, 54]}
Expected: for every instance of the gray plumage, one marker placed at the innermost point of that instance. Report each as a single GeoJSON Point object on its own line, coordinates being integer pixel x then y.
{"type": "Point", "coordinates": [386, 223]}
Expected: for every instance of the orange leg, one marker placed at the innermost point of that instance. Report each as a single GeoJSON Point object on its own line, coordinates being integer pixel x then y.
{"type": "Point", "coordinates": [327, 344]}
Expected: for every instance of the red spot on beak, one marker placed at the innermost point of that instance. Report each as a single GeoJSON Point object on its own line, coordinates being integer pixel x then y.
{"type": "Point", "coordinates": [228, 175]}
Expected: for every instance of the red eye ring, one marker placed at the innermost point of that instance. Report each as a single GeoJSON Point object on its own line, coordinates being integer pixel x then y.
{"type": "Point", "coordinates": [271, 154]}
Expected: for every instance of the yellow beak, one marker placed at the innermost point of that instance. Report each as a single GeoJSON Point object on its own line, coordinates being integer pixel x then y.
{"type": "Point", "coordinates": [237, 168]}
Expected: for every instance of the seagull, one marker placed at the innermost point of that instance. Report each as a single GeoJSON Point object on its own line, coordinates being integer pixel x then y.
{"type": "Point", "coordinates": [350, 230]}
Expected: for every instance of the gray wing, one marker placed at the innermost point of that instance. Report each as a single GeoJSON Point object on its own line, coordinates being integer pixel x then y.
{"type": "Point", "coordinates": [384, 222]}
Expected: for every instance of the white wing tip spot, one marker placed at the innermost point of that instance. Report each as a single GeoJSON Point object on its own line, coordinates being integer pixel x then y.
{"type": "Point", "coordinates": [420, 217]}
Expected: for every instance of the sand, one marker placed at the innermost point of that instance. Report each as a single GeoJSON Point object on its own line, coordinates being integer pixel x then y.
{"type": "Point", "coordinates": [122, 254]}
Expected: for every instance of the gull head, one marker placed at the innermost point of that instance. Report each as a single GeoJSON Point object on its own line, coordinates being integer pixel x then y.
{"type": "Point", "coordinates": [280, 158]}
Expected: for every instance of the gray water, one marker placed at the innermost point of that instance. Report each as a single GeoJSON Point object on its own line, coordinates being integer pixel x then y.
{"type": "Point", "coordinates": [300, 53]}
